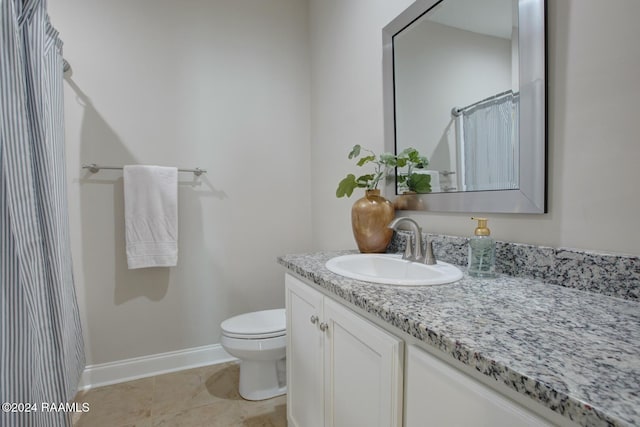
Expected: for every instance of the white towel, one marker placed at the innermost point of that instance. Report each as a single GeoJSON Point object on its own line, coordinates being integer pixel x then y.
{"type": "Point", "coordinates": [151, 216]}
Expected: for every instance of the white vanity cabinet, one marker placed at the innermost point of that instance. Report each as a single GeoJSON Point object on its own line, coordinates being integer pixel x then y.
{"type": "Point", "coordinates": [439, 395]}
{"type": "Point", "coordinates": [342, 370]}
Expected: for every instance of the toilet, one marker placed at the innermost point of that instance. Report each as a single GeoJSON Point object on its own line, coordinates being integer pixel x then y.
{"type": "Point", "coordinates": [259, 340]}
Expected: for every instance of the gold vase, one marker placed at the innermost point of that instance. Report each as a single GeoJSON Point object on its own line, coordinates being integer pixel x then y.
{"type": "Point", "coordinates": [408, 201]}
{"type": "Point", "coordinates": [370, 216]}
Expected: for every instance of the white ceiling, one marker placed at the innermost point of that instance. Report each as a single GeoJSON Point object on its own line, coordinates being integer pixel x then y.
{"type": "Point", "coordinates": [491, 17]}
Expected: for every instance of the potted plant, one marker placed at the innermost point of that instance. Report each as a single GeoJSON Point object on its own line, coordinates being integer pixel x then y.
{"type": "Point", "coordinates": [412, 181]}
{"type": "Point", "coordinates": [370, 181]}
{"type": "Point", "coordinates": [371, 214]}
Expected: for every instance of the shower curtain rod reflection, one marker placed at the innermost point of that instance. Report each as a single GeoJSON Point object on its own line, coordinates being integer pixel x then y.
{"type": "Point", "coordinates": [455, 111]}
{"type": "Point", "coordinates": [93, 168]}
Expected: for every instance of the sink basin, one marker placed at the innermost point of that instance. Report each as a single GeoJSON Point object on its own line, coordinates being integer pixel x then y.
{"type": "Point", "coordinates": [391, 269]}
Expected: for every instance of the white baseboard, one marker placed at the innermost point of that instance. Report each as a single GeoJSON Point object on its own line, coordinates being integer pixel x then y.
{"type": "Point", "coordinates": [155, 364]}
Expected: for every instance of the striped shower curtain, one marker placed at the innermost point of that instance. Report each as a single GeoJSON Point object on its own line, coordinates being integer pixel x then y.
{"type": "Point", "coordinates": [41, 347]}
{"type": "Point", "coordinates": [490, 147]}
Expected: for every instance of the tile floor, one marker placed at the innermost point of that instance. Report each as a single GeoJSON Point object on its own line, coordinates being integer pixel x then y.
{"type": "Point", "coordinates": [199, 397]}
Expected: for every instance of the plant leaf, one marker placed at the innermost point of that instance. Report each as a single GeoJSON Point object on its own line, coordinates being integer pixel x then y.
{"type": "Point", "coordinates": [388, 159]}
{"type": "Point", "coordinates": [422, 163]}
{"type": "Point", "coordinates": [414, 156]}
{"type": "Point", "coordinates": [346, 186]}
{"type": "Point", "coordinates": [420, 183]}
{"type": "Point", "coordinates": [355, 151]}
{"type": "Point", "coordinates": [366, 159]}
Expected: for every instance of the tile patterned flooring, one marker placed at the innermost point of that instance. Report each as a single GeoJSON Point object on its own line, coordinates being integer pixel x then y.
{"type": "Point", "coordinates": [199, 397]}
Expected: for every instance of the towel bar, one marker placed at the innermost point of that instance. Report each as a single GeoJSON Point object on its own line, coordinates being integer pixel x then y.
{"type": "Point", "coordinates": [93, 168]}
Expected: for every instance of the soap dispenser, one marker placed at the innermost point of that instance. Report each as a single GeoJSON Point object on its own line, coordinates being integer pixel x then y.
{"type": "Point", "coordinates": [482, 251]}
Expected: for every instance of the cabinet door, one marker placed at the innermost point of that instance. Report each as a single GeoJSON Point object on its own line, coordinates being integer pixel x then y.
{"type": "Point", "coordinates": [439, 395]}
{"type": "Point", "coordinates": [363, 371]}
{"type": "Point", "coordinates": [304, 355]}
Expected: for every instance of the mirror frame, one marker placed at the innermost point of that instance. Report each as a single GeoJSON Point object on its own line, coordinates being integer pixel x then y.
{"type": "Point", "coordinates": [531, 197]}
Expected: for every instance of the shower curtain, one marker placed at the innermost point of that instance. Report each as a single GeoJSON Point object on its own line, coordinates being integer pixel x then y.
{"type": "Point", "coordinates": [41, 346]}
{"type": "Point", "coordinates": [489, 145]}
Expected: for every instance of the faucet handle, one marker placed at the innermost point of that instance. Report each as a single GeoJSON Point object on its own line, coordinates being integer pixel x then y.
{"type": "Point", "coordinates": [429, 258]}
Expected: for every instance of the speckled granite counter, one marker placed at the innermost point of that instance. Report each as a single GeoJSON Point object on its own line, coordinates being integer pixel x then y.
{"type": "Point", "coordinates": [575, 352]}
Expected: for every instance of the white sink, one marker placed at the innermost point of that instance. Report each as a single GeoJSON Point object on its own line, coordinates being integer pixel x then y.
{"type": "Point", "coordinates": [391, 269]}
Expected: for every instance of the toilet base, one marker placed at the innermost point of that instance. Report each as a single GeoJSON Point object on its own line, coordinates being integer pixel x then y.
{"type": "Point", "coordinates": [262, 379]}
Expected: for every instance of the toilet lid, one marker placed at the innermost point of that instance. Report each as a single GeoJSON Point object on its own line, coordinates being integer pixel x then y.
{"type": "Point", "coordinates": [259, 324]}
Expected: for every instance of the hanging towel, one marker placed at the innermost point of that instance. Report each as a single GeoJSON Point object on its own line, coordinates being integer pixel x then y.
{"type": "Point", "coordinates": [151, 216]}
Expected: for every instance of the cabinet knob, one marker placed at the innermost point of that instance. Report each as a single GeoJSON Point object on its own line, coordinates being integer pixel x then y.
{"type": "Point", "coordinates": [314, 319]}
{"type": "Point", "coordinates": [323, 326]}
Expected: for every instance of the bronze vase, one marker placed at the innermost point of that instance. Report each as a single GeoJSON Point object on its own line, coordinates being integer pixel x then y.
{"type": "Point", "coordinates": [408, 201]}
{"type": "Point", "coordinates": [370, 216]}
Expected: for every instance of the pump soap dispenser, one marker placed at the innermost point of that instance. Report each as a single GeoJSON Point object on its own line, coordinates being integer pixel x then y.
{"type": "Point", "coordinates": [482, 251]}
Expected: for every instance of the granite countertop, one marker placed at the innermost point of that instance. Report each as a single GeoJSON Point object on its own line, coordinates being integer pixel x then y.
{"type": "Point", "coordinates": [573, 351]}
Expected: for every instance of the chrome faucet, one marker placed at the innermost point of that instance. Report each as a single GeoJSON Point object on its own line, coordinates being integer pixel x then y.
{"type": "Point", "coordinates": [416, 253]}
{"type": "Point", "coordinates": [411, 255]}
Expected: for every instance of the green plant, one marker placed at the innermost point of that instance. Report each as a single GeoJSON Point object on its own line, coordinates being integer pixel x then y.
{"type": "Point", "coordinates": [370, 181]}
{"type": "Point", "coordinates": [412, 181]}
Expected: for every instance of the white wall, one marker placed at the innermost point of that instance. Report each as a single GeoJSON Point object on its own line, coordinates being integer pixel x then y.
{"type": "Point", "coordinates": [594, 63]}
{"type": "Point", "coordinates": [346, 103]}
{"type": "Point", "coordinates": [218, 84]}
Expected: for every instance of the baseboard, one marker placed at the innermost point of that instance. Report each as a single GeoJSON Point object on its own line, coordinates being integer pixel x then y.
{"type": "Point", "coordinates": [155, 364]}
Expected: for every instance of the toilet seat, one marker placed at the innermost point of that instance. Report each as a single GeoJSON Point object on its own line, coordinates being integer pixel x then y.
{"type": "Point", "coordinates": [256, 325]}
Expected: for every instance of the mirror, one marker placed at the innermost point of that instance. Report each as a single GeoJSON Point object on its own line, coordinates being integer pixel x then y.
{"type": "Point", "coordinates": [464, 84]}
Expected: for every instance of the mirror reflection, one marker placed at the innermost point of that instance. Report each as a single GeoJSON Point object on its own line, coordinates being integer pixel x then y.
{"type": "Point", "coordinates": [456, 95]}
